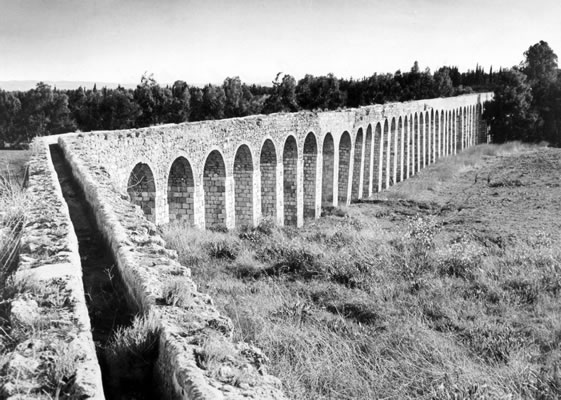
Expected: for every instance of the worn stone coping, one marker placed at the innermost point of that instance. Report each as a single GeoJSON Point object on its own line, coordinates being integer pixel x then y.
{"type": "Point", "coordinates": [49, 256]}
{"type": "Point", "coordinates": [146, 266]}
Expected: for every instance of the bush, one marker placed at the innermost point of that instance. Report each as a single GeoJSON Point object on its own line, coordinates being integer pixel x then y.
{"type": "Point", "coordinates": [178, 292]}
{"type": "Point", "coordinates": [130, 355]}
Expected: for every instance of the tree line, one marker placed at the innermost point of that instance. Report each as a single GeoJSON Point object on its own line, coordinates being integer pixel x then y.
{"type": "Point", "coordinates": [44, 110]}
{"type": "Point", "coordinates": [527, 101]}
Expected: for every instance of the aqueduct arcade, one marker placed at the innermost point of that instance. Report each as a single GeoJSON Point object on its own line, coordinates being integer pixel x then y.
{"type": "Point", "coordinates": [287, 167]}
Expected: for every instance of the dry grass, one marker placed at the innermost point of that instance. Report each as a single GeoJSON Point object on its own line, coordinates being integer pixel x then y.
{"type": "Point", "coordinates": [346, 309]}
{"type": "Point", "coordinates": [446, 169]}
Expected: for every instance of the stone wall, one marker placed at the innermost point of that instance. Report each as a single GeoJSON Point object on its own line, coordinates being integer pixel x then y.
{"type": "Point", "coordinates": [405, 137]}
{"type": "Point", "coordinates": [50, 265]}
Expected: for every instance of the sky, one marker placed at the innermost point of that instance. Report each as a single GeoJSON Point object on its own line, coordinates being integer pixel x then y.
{"type": "Point", "coordinates": [204, 41]}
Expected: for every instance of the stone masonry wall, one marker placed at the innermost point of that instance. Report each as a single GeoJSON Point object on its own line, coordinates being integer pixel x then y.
{"type": "Point", "coordinates": [49, 261]}
{"type": "Point", "coordinates": [406, 138]}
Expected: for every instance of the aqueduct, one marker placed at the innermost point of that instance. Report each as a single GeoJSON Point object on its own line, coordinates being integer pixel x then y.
{"type": "Point", "coordinates": [285, 166]}
{"type": "Point", "coordinates": [214, 173]}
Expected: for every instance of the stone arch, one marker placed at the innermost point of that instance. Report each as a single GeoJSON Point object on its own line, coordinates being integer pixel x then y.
{"type": "Point", "coordinates": [328, 171]}
{"type": "Point", "coordinates": [243, 186]}
{"type": "Point", "coordinates": [421, 144]}
{"type": "Point", "coordinates": [406, 147]}
{"type": "Point", "coordinates": [214, 187]}
{"type": "Point", "coordinates": [141, 188]}
{"type": "Point", "coordinates": [460, 129]}
{"type": "Point", "coordinates": [268, 167]}
{"type": "Point", "coordinates": [400, 148]}
{"type": "Point", "coordinates": [386, 144]}
{"type": "Point", "coordinates": [378, 155]}
{"type": "Point", "coordinates": [428, 136]}
{"type": "Point", "coordinates": [357, 165]}
{"type": "Point", "coordinates": [345, 145]}
{"type": "Point", "coordinates": [310, 175]}
{"type": "Point", "coordinates": [437, 134]}
{"type": "Point", "coordinates": [393, 143]}
{"type": "Point", "coordinates": [367, 175]}
{"type": "Point", "coordinates": [290, 184]}
{"type": "Point", "coordinates": [181, 190]}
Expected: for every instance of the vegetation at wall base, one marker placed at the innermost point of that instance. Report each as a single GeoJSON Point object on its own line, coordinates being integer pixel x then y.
{"type": "Point", "coordinates": [415, 293]}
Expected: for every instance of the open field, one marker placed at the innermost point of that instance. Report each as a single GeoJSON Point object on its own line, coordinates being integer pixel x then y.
{"type": "Point", "coordinates": [446, 286]}
{"type": "Point", "coordinates": [12, 163]}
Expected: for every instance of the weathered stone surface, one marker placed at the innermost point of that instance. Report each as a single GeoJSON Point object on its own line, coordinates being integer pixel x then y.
{"type": "Point", "coordinates": [49, 257]}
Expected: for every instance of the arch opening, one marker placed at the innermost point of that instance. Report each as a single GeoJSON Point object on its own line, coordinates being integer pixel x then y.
{"type": "Point", "coordinates": [437, 135]}
{"type": "Point", "coordinates": [357, 165]}
{"type": "Point", "coordinates": [378, 156]}
{"type": "Point", "coordinates": [386, 157]}
{"type": "Point", "coordinates": [367, 175]}
{"type": "Point", "coordinates": [243, 187]}
{"type": "Point", "coordinates": [310, 175]}
{"type": "Point", "coordinates": [141, 188]}
{"type": "Point", "coordinates": [268, 167]}
{"type": "Point", "coordinates": [214, 187]}
{"type": "Point", "coordinates": [344, 165]}
{"type": "Point", "coordinates": [290, 165]}
{"type": "Point", "coordinates": [181, 189]}
{"type": "Point", "coordinates": [328, 170]}
{"type": "Point", "coordinates": [393, 143]}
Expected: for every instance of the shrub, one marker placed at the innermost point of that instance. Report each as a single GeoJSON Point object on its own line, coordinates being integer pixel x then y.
{"type": "Point", "coordinates": [460, 260]}
{"type": "Point", "coordinates": [246, 266]}
{"type": "Point", "coordinates": [223, 247]}
{"type": "Point", "coordinates": [178, 292]}
{"type": "Point", "coordinates": [130, 354]}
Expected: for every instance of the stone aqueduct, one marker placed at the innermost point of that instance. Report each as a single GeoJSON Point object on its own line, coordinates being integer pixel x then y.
{"type": "Point", "coordinates": [284, 166]}
{"type": "Point", "coordinates": [229, 172]}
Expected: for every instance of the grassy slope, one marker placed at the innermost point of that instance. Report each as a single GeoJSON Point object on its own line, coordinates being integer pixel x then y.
{"type": "Point", "coordinates": [446, 286]}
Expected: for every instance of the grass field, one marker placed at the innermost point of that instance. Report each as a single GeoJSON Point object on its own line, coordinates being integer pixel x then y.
{"type": "Point", "coordinates": [446, 286]}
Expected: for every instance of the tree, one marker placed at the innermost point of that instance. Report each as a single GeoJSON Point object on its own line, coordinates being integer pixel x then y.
{"type": "Point", "coordinates": [235, 103]}
{"type": "Point", "coordinates": [540, 66]}
{"type": "Point", "coordinates": [509, 114]}
{"type": "Point", "coordinates": [180, 106]}
{"type": "Point", "coordinates": [10, 106]}
{"type": "Point", "coordinates": [214, 102]}
{"type": "Point", "coordinates": [283, 96]}
{"type": "Point", "coordinates": [443, 83]}
{"type": "Point", "coordinates": [154, 102]}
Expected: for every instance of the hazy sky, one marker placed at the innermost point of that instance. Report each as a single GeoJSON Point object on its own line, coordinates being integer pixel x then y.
{"type": "Point", "coordinates": [206, 40]}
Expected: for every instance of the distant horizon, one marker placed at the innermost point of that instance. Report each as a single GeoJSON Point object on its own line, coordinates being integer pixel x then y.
{"type": "Point", "coordinates": [205, 41]}
{"type": "Point", "coordinates": [26, 84]}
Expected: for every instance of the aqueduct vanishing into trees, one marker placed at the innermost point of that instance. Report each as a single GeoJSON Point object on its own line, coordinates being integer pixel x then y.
{"type": "Point", "coordinates": [285, 166]}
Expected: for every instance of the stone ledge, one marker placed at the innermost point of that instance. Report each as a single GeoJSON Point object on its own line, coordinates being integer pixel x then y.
{"type": "Point", "coordinates": [49, 256]}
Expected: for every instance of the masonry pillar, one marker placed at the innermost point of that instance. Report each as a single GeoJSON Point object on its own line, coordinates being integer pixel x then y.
{"type": "Point", "coordinates": [400, 128]}
{"type": "Point", "coordinates": [230, 217]}
{"type": "Point", "coordinates": [336, 174]}
{"type": "Point", "coordinates": [199, 203]}
{"type": "Point", "coordinates": [300, 190]}
{"type": "Point", "coordinates": [257, 215]}
{"type": "Point", "coordinates": [280, 192]}
{"type": "Point", "coordinates": [318, 184]}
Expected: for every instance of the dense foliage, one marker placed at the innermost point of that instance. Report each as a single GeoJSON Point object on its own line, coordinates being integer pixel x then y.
{"type": "Point", "coordinates": [45, 110]}
{"type": "Point", "coordinates": [527, 103]}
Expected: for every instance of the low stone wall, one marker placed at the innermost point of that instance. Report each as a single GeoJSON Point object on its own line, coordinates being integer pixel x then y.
{"type": "Point", "coordinates": [148, 269]}
{"type": "Point", "coordinates": [49, 265]}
